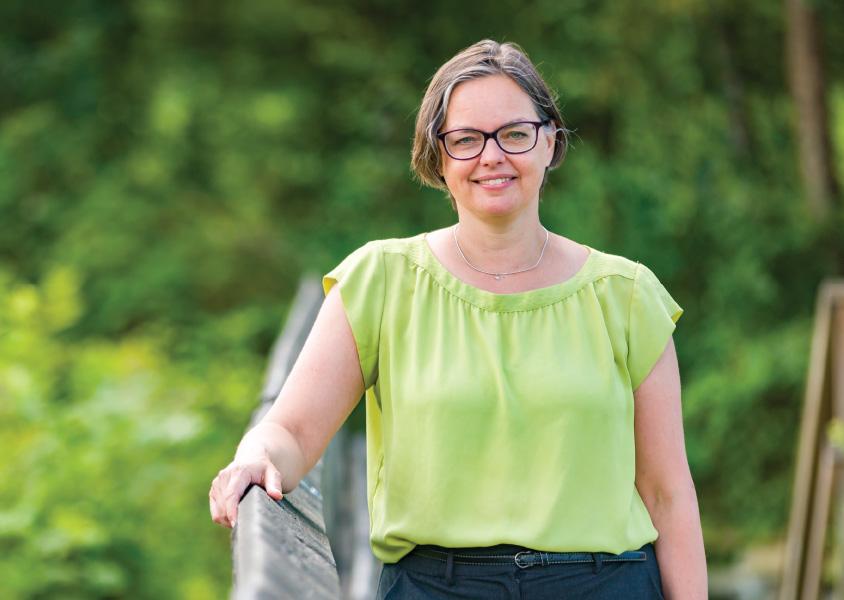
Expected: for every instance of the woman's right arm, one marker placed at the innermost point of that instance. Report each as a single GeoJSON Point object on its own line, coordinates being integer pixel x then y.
{"type": "Point", "coordinates": [320, 392]}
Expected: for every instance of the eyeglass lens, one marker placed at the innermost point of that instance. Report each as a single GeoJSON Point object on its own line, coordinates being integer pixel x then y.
{"type": "Point", "coordinates": [468, 143]}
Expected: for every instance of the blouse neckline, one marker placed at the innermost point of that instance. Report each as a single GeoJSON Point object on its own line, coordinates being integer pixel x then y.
{"type": "Point", "coordinates": [493, 301]}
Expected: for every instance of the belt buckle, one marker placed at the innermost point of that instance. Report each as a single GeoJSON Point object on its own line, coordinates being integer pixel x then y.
{"type": "Point", "coordinates": [518, 556]}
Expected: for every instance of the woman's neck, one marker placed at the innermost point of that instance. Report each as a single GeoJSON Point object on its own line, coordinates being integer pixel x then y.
{"type": "Point", "coordinates": [501, 246]}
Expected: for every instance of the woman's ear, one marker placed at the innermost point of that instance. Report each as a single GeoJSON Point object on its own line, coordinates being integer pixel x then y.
{"type": "Point", "coordinates": [551, 137]}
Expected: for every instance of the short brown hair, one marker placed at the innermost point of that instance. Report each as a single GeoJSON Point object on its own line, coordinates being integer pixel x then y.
{"type": "Point", "coordinates": [482, 59]}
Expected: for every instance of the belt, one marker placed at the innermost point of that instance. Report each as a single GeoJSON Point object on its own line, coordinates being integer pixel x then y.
{"type": "Point", "coordinates": [524, 558]}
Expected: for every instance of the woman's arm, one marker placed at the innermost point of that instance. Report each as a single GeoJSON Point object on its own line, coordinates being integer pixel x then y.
{"type": "Point", "coordinates": [665, 482]}
{"type": "Point", "coordinates": [321, 390]}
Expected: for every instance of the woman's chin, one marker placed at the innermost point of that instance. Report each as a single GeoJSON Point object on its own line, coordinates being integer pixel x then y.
{"type": "Point", "coordinates": [498, 206]}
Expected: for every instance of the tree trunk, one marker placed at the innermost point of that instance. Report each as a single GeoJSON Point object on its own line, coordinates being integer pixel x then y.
{"type": "Point", "coordinates": [808, 90]}
{"type": "Point", "coordinates": [733, 88]}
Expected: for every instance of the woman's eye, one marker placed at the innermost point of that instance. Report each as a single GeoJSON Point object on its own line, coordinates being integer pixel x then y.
{"type": "Point", "coordinates": [465, 140]}
{"type": "Point", "coordinates": [515, 135]}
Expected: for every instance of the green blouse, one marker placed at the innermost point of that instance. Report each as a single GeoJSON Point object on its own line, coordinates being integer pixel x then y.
{"type": "Point", "coordinates": [501, 418]}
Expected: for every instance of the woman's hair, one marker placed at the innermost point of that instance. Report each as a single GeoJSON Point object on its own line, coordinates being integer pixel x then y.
{"type": "Point", "coordinates": [482, 59]}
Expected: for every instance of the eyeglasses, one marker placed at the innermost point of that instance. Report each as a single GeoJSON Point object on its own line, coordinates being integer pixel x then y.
{"type": "Point", "coordinates": [513, 138]}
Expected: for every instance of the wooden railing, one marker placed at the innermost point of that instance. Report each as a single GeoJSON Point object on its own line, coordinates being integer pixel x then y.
{"type": "Point", "coordinates": [819, 474]}
{"type": "Point", "coordinates": [283, 549]}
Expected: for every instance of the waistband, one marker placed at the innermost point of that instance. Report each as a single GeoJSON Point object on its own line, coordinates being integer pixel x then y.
{"type": "Point", "coordinates": [521, 557]}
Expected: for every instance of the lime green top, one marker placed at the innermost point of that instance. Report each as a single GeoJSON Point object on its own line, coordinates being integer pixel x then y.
{"type": "Point", "coordinates": [501, 418]}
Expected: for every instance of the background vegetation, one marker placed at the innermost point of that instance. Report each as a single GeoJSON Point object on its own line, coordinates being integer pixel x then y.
{"type": "Point", "coordinates": [168, 171]}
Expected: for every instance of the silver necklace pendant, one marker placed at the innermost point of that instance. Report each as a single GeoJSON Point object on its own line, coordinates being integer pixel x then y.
{"type": "Point", "coordinates": [498, 277]}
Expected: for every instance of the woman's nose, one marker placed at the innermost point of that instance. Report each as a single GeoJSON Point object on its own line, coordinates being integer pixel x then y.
{"type": "Point", "coordinates": [492, 153]}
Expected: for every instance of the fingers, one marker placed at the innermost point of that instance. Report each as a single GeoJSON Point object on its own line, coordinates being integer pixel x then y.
{"type": "Point", "coordinates": [216, 498]}
{"type": "Point", "coordinates": [230, 483]}
{"type": "Point", "coordinates": [272, 483]}
{"type": "Point", "coordinates": [240, 479]}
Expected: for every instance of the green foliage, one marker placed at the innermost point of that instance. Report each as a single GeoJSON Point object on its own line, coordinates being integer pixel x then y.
{"type": "Point", "coordinates": [110, 449]}
{"type": "Point", "coordinates": [168, 170]}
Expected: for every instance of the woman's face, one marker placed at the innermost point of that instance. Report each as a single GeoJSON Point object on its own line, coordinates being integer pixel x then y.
{"type": "Point", "coordinates": [486, 104]}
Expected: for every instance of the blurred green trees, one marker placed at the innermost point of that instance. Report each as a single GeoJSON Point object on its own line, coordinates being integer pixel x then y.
{"type": "Point", "coordinates": [108, 444]}
{"type": "Point", "coordinates": [168, 170]}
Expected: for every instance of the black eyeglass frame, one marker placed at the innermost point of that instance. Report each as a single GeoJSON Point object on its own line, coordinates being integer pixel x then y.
{"type": "Point", "coordinates": [494, 135]}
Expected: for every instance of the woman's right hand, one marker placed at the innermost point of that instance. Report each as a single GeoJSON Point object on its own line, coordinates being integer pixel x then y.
{"type": "Point", "coordinates": [230, 483]}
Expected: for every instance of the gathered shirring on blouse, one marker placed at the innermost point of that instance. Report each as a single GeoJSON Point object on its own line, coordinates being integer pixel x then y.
{"type": "Point", "coordinates": [501, 418]}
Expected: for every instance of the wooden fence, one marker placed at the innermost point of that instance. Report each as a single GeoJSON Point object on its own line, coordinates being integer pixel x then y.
{"type": "Point", "coordinates": [819, 474]}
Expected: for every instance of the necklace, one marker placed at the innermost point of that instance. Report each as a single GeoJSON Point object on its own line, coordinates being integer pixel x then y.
{"type": "Point", "coordinates": [498, 276]}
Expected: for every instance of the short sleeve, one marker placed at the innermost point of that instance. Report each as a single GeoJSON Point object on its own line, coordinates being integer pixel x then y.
{"type": "Point", "coordinates": [361, 279]}
{"type": "Point", "coordinates": [653, 314]}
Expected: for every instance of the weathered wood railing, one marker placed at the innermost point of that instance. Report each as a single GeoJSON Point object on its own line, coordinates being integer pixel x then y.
{"type": "Point", "coordinates": [283, 549]}
{"type": "Point", "coordinates": [819, 473]}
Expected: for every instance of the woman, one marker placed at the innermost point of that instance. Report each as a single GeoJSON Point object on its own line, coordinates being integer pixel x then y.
{"type": "Point", "coordinates": [524, 431]}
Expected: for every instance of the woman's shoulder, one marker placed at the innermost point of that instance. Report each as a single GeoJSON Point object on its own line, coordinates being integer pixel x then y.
{"type": "Point", "coordinates": [606, 264]}
{"type": "Point", "coordinates": [630, 281]}
{"type": "Point", "coordinates": [382, 259]}
{"type": "Point", "coordinates": [384, 249]}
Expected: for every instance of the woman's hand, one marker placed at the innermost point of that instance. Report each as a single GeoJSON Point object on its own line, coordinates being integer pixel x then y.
{"type": "Point", "coordinates": [229, 484]}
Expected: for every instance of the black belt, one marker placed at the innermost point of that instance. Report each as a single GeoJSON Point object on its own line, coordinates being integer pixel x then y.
{"type": "Point", "coordinates": [524, 558]}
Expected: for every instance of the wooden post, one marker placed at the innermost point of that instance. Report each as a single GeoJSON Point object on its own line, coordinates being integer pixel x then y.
{"type": "Point", "coordinates": [818, 468]}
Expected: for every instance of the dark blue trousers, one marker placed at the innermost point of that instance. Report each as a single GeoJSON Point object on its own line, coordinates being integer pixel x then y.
{"type": "Point", "coordinates": [596, 576]}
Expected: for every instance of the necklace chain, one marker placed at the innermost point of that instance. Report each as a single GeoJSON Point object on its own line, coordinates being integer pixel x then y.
{"type": "Point", "coordinates": [498, 276]}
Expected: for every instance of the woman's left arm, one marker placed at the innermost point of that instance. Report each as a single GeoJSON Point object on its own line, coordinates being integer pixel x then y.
{"type": "Point", "coordinates": [665, 482]}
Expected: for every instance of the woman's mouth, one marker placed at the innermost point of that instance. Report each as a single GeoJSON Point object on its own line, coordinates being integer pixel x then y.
{"type": "Point", "coordinates": [497, 182]}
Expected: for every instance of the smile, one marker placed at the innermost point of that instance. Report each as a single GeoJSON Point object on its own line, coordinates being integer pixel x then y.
{"type": "Point", "coordinates": [497, 181]}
